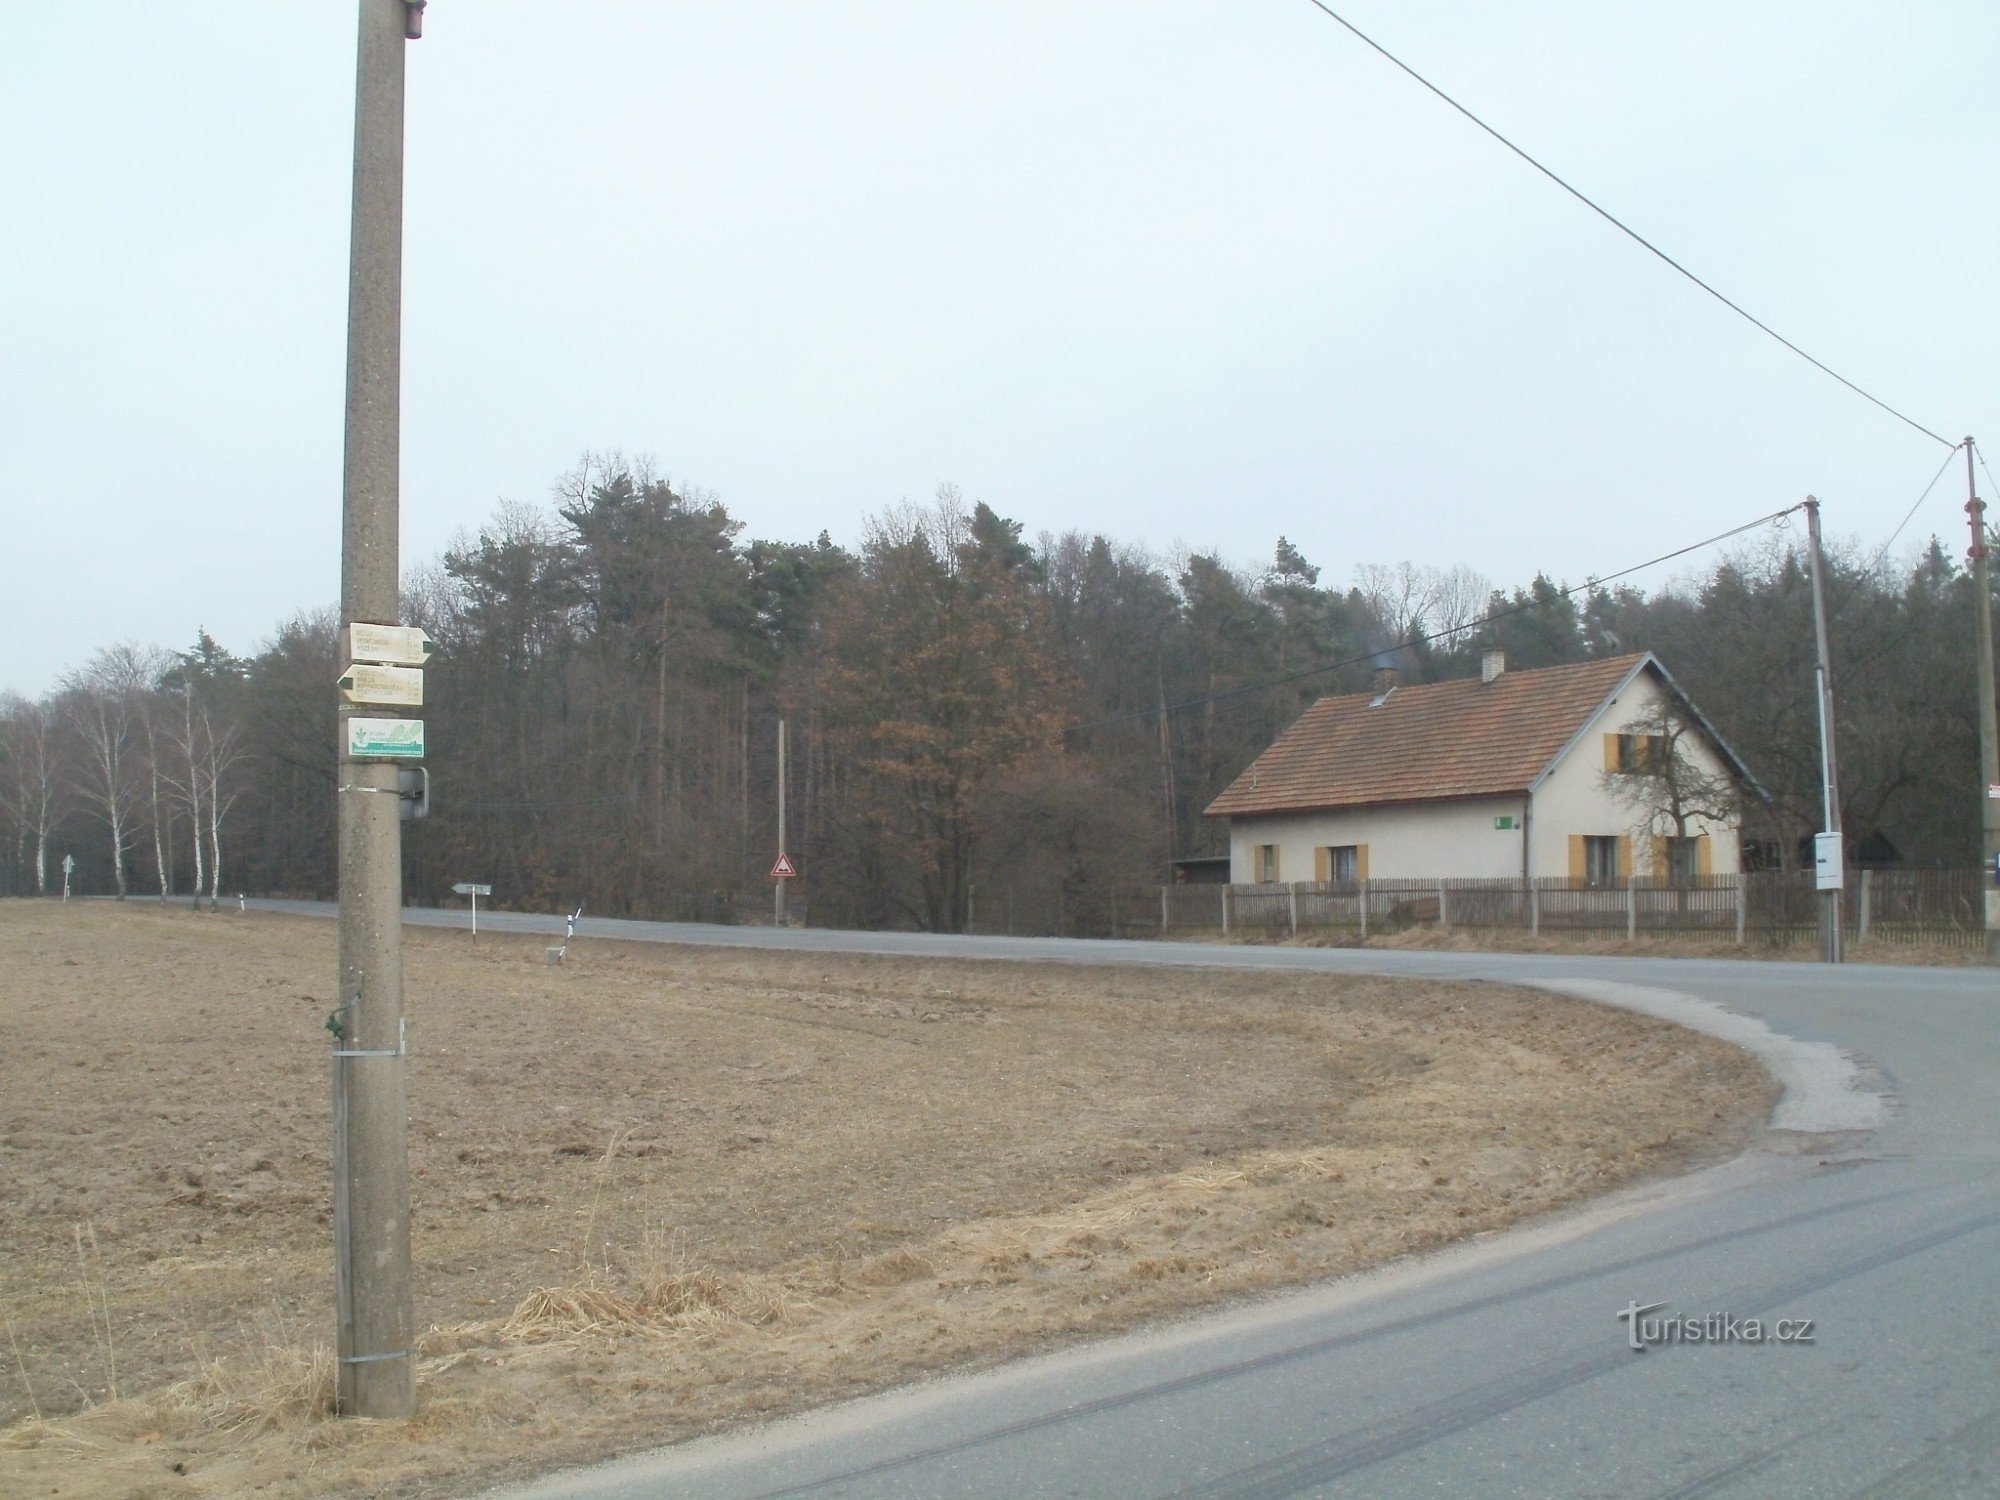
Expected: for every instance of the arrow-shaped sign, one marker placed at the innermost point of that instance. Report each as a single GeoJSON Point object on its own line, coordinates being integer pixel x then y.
{"type": "Point", "coordinates": [398, 645]}
{"type": "Point", "coordinates": [402, 687]}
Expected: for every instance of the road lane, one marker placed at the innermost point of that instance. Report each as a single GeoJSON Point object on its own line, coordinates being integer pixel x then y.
{"type": "Point", "coordinates": [1501, 1367]}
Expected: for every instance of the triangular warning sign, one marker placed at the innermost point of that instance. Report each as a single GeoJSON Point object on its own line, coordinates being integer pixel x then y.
{"type": "Point", "coordinates": [783, 870]}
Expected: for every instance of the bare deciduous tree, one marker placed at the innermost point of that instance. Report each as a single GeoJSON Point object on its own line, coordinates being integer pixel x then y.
{"type": "Point", "coordinates": [30, 786]}
{"type": "Point", "coordinates": [104, 702]}
{"type": "Point", "coordinates": [1666, 786]}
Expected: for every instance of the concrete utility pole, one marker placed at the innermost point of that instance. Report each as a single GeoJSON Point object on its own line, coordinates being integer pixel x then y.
{"type": "Point", "coordinates": [780, 881]}
{"type": "Point", "coordinates": [1829, 854]}
{"type": "Point", "coordinates": [371, 1165]}
{"type": "Point", "coordinates": [1989, 738]}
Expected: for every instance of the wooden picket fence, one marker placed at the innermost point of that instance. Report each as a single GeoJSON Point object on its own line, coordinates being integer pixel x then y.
{"type": "Point", "coordinates": [1916, 908]}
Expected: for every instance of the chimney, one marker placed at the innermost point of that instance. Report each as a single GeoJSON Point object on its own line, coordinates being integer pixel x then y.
{"type": "Point", "coordinates": [1385, 681]}
{"type": "Point", "coordinates": [1491, 664]}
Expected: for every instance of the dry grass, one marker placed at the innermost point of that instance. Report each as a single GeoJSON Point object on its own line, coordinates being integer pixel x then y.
{"type": "Point", "coordinates": [662, 1190]}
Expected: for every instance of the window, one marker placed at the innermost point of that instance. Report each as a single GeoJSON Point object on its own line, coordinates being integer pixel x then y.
{"type": "Point", "coordinates": [1340, 862]}
{"type": "Point", "coordinates": [1636, 754]}
{"type": "Point", "coordinates": [1264, 866]}
{"type": "Point", "coordinates": [1683, 860]}
{"type": "Point", "coordinates": [1600, 860]}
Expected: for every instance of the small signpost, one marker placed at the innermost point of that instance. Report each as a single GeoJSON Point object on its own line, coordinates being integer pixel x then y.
{"type": "Point", "coordinates": [467, 888]}
{"type": "Point", "coordinates": [783, 869]}
{"type": "Point", "coordinates": [69, 863]}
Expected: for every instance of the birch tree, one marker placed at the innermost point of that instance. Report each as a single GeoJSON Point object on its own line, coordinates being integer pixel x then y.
{"type": "Point", "coordinates": [207, 742]}
{"type": "Point", "coordinates": [103, 703]}
{"type": "Point", "coordinates": [30, 784]}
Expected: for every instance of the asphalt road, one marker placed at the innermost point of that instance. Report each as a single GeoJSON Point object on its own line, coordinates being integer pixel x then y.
{"type": "Point", "coordinates": [1502, 1368]}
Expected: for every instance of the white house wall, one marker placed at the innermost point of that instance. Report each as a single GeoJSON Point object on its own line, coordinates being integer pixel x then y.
{"type": "Point", "coordinates": [1407, 842]}
{"type": "Point", "coordinates": [1575, 798]}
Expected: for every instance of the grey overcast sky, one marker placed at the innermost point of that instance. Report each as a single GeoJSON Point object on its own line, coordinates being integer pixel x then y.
{"type": "Point", "coordinates": [1186, 271]}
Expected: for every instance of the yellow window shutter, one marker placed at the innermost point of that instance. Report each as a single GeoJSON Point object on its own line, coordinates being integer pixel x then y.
{"type": "Point", "coordinates": [1624, 856]}
{"type": "Point", "coordinates": [1576, 866]}
{"type": "Point", "coordinates": [1660, 848]}
{"type": "Point", "coordinates": [1704, 854]}
{"type": "Point", "coordinates": [1611, 752]}
{"type": "Point", "coordinates": [1360, 861]}
{"type": "Point", "coordinates": [1322, 864]}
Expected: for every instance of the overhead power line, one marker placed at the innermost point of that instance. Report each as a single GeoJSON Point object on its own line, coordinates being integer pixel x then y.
{"type": "Point", "coordinates": [1908, 515]}
{"type": "Point", "coordinates": [1622, 227]}
{"type": "Point", "coordinates": [1323, 668]}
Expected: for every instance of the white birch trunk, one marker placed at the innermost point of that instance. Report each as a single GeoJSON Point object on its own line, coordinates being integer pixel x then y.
{"type": "Point", "coordinates": [159, 835]}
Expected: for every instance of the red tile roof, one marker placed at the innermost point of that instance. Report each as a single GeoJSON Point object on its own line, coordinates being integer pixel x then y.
{"type": "Point", "coordinates": [1446, 739]}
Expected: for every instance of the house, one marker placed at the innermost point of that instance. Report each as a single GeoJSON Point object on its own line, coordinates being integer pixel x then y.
{"type": "Point", "coordinates": [1597, 771]}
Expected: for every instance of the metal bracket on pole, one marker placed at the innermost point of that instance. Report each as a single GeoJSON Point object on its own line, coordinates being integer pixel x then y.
{"type": "Point", "coordinates": [401, 1049]}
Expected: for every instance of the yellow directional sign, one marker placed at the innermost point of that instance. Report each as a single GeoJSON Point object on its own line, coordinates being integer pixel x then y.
{"type": "Point", "coordinates": [402, 687]}
{"type": "Point", "coordinates": [396, 645]}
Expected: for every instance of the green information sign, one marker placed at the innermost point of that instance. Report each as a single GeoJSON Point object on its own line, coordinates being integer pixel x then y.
{"type": "Point", "coordinates": [385, 739]}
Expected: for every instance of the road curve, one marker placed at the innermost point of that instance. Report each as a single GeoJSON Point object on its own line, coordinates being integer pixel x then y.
{"type": "Point", "coordinates": [1502, 1368]}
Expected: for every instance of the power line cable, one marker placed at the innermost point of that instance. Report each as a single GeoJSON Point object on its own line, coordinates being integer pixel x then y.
{"type": "Point", "coordinates": [1623, 227]}
{"type": "Point", "coordinates": [1879, 556]}
{"type": "Point", "coordinates": [1423, 640]}
{"type": "Point", "coordinates": [1854, 584]}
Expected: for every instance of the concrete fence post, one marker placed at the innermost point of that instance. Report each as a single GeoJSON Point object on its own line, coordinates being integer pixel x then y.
{"type": "Point", "coordinates": [1292, 905]}
{"type": "Point", "coordinates": [1742, 901]}
{"type": "Point", "coordinates": [1534, 909]}
{"type": "Point", "coordinates": [1363, 904]}
{"type": "Point", "coordinates": [1163, 908]}
{"type": "Point", "coordinates": [1225, 909]}
{"type": "Point", "coordinates": [1632, 909]}
{"type": "Point", "coordinates": [1867, 904]}
{"type": "Point", "coordinates": [1444, 908]}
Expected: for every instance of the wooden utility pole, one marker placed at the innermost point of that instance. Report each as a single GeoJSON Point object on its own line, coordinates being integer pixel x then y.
{"type": "Point", "coordinates": [1989, 738]}
{"type": "Point", "coordinates": [371, 1166]}
{"type": "Point", "coordinates": [1829, 854]}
